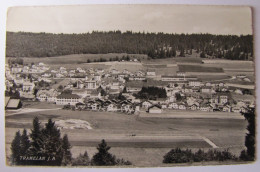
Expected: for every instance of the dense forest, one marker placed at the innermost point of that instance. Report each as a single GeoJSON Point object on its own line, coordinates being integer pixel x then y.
{"type": "Point", "coordinates": [155, 45]}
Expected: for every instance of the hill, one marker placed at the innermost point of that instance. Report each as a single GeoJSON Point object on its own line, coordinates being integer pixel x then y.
{"type": "Point", "coordinates": [155, 45]}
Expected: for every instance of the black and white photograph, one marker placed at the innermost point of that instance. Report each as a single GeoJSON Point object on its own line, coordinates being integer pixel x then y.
{"type": "Point", "coordinates": [129, 85]}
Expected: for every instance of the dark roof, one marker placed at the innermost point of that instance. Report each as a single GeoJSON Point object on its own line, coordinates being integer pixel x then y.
{"type": "Point", "coordinates": [68, 96]}
{"type": "Point", "coordinates": [155, 106]}
{"type": "Point", "coordinates": [138, 84]}
{"type": "Point", "coordinates": [79, 103]}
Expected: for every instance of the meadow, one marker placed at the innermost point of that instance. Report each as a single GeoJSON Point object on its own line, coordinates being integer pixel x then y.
{"type": "Point", "coordinates": [78, 58]}
{"type": "Point", "coordinates": [140, 137]}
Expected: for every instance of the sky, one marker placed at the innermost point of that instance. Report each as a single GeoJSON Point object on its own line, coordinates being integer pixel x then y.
{"type": "Point", "coordinates": [235, 20]}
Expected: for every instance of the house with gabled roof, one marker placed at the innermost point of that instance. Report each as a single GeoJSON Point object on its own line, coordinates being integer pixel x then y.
{"type": "Point", "coordinates": [126, 108]}
{"type": "Point", "coordinates": [236, 109]}
{"type": "Point", "coordinates": [146, 104]}
{"type": "Point", "coordinates": [164, 105]}
{"type": "Point", "coordinates": [205, 107]}
{"type": "Point", "coordinates": [95, 106]}
{"type": "Point", "coordinates": [80, 106]}
{"type": "Point", "coordinates": [194, 107]}
{"type": "Point", "coordinates": [226, 108]}
{"type": "Point", "coordinates": [112, 107]}
{"type": "Point", "coordinates": [47, 95]}
{"type": "Point", "coordinates": [173, 106]}
{"type": "Point", "coordinates": [182, 106]}
{"type": "Point", "coordinates": [155, 109]}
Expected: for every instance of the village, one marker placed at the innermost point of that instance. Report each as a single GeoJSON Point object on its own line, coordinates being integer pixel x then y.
{"type": "Point", "coordinates": [112, 90]}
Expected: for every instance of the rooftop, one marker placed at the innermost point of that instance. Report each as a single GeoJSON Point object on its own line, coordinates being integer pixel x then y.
{"type": "Point", "coordinates": [68, 96]}
{"type": "Point", "coordinates": [13, 103]}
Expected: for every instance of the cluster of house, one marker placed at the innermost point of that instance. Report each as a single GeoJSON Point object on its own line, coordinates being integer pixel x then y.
{"type": "Point", "coordinates": [90, 89]}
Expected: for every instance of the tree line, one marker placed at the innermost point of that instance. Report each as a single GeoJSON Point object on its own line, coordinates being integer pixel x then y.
{"type": "Point", "coordinates": [155, 45]}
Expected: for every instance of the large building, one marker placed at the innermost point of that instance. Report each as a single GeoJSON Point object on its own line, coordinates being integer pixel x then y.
{"type": "Point", "coordinates": [67, 99]}
{"type": "Point", "coordinates": [90, 84]}
{"type": "Point", "coordinates": [178, 78]}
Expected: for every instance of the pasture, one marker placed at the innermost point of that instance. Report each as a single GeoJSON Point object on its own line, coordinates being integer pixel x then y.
{"type": "Point", "coordinates": [199, 68]}
{"type": "Point", "coordinates": [147, 136]}
{"type": "Point", "coordinates": [78, 58]}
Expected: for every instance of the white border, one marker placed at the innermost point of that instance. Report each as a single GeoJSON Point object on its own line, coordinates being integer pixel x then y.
{"type": "Point", "coordinates": [255, 4]}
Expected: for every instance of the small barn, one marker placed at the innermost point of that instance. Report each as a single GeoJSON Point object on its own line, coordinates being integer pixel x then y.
{"type": "Point", "coordinates": [12, 103]}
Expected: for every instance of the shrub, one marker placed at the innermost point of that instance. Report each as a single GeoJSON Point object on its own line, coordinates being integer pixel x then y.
{"type": "Point", "coordinates": [178, 156]}
{"type": "Point", "coordinates": [183, 156]}
{"type": "Point", "coordinates": [81, 160]}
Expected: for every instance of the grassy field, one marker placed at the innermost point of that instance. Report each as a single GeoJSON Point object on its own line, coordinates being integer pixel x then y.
{"type": "Point", "coordinates": [78, 58]}
{"type": "Point", "coordinates": [229, 64]}
{"type": "Point", "coordinates": [82, 65]}
{"type": "Point", "coordinates": [189, 114]}
{"type": "Point", "coordinates": [130, 66]}
{"type": "Point", "coordinates": [159, 61]}
{"type": "Point", "coordinates": [199, 68]}
{"type": "Point", "coordinates": [153, 137]}
{"type": "Point", "coordinates": [146, 157]}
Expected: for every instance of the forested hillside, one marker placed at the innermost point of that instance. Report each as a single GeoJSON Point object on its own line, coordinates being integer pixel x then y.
{"type": "Point", "coordinates": [155, 45]}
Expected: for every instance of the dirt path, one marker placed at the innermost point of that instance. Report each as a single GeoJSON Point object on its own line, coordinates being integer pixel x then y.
{"type": "Point", "coordinates": [26, 110]}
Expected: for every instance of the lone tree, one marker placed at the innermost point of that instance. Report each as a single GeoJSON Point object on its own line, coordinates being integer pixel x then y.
{"type": "Point", "coordinates": [249, 154]}
{"type": "Point", "coordinates": [103, 157]}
